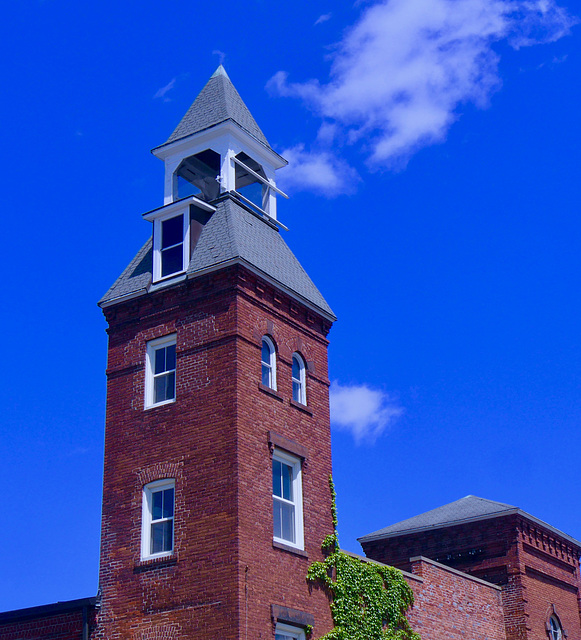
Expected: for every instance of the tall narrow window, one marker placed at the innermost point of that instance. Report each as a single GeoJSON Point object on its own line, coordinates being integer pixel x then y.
{"type": "Point", "coordinates": [160, 371]}
{"type": "Point", "coordinates": [299, 379]}
{"type": "Point", "coordinates": [555, 630]}
{"type": "Point", "coordinates": [287, 500]}
{"type": "Point", "coordinates": [172, 245]}
{"type": "Point", "coordinates": [157, 538]}
{"type": "Point", "coordinates": [268, 363]}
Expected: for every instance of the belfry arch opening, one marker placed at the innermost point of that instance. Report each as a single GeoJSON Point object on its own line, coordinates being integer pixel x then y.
{"type": "Point", "coordinates": [198, 175]}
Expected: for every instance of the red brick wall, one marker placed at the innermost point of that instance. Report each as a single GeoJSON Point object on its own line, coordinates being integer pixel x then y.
{"type": "Point", "coordinates": [67, 625]}
{"type": "Point", "coordinates": [550, 567]}
{"type": "Point", "coordinates": [535, 567]}
{"type": "Point", "coordinates": [225, 573]}
{"type": "Point", "coordinates": [450, 605]}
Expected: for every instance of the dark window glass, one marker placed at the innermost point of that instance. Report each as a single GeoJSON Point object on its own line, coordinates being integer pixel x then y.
{"type": "Point", "coordinates": [172, 260]}
{"type": "Point", "coordinates": [160, 360]}
{"type": "Point", "coordinates": [156, 505]}
{"type": "Point", "coordinates": [162, 536]}
{"type": "Point", "coordinates": [172, 231]}
{"type": "Point", "coordinates": [276, 476]}
{"type": "Point", "coordinates": [168, 503]}
{"type": "Point", "coordinates": [296, 392]}
{"type": "Point", "coordinates": [287, 482]}
{"type": "Point", "coordinates": [170, 357]}
{"type": "Point", "coordinates": [296, 369]}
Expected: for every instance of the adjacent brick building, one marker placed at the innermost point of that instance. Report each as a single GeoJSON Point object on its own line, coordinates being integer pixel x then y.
{"type": "Point", "coordinates": [535, 565]}
{"type": "Point", "coordinates": [217, 438]}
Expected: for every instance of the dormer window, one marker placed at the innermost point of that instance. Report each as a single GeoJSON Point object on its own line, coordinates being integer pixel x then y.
{"type": "Point", "coordinates": [176, 229]}
{"type": "Point", "coordinates": [172, 246]}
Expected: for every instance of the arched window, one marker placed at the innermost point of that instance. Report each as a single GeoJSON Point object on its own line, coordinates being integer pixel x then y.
{"type": "Point", "coordinates": [268, 363]}
{"type": "Point", "coordinates": [299, 379]}
{"type": "Point", "coordinates": [555, 631]}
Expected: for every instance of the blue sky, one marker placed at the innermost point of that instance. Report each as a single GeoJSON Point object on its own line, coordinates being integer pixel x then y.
{"type": "Point", "coordinates": [434, 175]}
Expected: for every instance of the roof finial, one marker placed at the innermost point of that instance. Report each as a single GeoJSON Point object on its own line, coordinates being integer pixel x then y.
{"type": "Point", "coordinates": [220, 71]}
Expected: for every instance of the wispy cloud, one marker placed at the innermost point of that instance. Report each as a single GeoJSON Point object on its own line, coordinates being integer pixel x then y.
{"type": "Point", "coordinates": [221, 55]}
{"type": "Point", "coordinates": [317, 170]}
{"type": "Point", "coordinates": [364, 412]}
{"type": "Point", "coordinates": [161, 93]}
{"type": "Point", "coordinates": [401, 73]}
{"type": "Point", "coordinates": [323, 18]}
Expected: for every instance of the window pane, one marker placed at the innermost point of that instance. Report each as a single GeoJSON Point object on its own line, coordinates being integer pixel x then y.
{"type": "Point", "coordinates": [297, 392]}
{"type": "Point", "coordinates": [168, 503]}
{"type": "Point", "coordinates": [156, 505]}
{"type": "Point", "coordinates": [277, 524]}
{"type": "Point", "coordinates": [287, 482]}
{"type": "Point", "coordinates": [276, 478]}
{"type": "Point", "coordinates": [160, 389]}
{"type": "Point", "coordinates": [265, 352]}
{"type": "Point", "coordinates": [282, 636]}
{"type": "Point", "coordinates": [170, 357]}
{"type": "Point", "coordinates": [159, 361]}
{"type": "Point", "coordinates": [162, 536]}
{"type": "Point", "coordinates": [172, 231]}
{"type": "Point", "coordinates": [296, 369]}
{"type": "Point", "coordinates": [266, 376]}
{"type": "Point", "coordinates": [287, 514]}
{"type": "Point", "coordinates": [172, 260]}
{"type": "Point", "coordinates": [170, 388]}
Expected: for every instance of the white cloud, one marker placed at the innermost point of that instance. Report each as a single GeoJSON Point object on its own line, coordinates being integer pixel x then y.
{"type": "Point", "coordinates": [323, 18]}
{"type": "Point", "coordinates": [319, 170]}
{"type": "Point", "coordinates": [161, 93]}
{"type": "Point", "coordinates": [401, 72]}
{"type": "Point", "coordinates": [364, 412]}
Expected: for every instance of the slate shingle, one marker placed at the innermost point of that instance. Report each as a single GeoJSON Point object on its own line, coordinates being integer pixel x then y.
{"type": "Point", "coordinates": [233, 233]}
{"type": "Point", "coordinates": [217, 102]}
{"type": "Point", "coordinates": [466, 509]}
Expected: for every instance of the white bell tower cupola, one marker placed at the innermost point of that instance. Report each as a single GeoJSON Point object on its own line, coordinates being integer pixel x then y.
{"type": "Point", "coordinates": [218, 148]}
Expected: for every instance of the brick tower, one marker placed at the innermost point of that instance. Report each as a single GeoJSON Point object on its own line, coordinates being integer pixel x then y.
{"type": "Point", "coordinates": [217, 445]}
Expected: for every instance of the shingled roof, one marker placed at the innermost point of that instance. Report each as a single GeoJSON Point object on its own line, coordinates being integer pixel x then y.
{"type": "Point", "coordinates": [217, 102]}
{"type": "Point", "coordinates": [233, 234]}
{"type": "Point", "coordinates": [468, 509]}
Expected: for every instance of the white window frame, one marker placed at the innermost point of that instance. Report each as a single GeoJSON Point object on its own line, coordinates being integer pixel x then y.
{"type": "Point", "coordinates": [157, 235]}
{"type": "Point", "coordinates": [297, 490]}
{"type": "Point", "coordinates": [271, 364]}
{"type": "Point", "coordinates": [296, 633]}
{"type": "Point", "coordinates": [147, 518]}
{"type": "Point", "coordinates": [301, 381]}
{"type": "Point", "coordinates": [152, 347]}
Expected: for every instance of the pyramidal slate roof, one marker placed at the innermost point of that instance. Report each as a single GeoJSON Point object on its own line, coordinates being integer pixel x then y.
{"type": "Point", "coordinates": [217, 102]}
{"type": "Point", "coordinates": [468, 509]}
{"type": "Point", "coordinates": [233, 234]}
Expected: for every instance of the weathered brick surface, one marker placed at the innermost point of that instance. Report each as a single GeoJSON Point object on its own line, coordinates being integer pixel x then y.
{"type": "Point", "coordinates": [65, 625]}
{"type": "Point", "coordinates": [536, 568]}
{"type": "Point", "coordinates": [225, 573]}
{"type": "Point", "coordinates": [453, 606]}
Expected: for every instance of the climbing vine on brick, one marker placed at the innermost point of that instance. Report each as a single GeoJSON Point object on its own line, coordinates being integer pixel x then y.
{"type": "Point", "coordinates": [368, 600]}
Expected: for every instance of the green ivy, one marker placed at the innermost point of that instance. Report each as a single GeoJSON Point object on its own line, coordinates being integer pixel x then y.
{"type": "Point", "coordinates": [368, 601]}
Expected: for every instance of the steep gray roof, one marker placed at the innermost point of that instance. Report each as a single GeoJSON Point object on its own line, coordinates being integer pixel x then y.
{"type": "Point", "coordinates": [468, 509]}
{"type": "Point", "coordinates": [232, 234]}
{"type": "Point", "coordinates": [217, 102]}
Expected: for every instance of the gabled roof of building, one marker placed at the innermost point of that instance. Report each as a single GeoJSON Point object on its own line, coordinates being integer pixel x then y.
{"type": "Point", "coordinates": [233, 234]}
{"type": "Point", "coordinates": [465, 510]}
{"type": "Point", "coordinates": [217, 102]}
